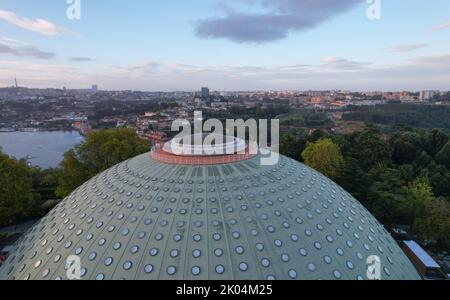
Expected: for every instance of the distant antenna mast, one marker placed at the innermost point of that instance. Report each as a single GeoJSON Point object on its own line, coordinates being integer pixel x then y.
{"type": "Point", "coordinates": [15, 81]}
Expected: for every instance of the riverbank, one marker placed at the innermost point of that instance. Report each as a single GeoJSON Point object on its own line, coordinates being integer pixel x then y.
{"type": "Point", "coordinates": [4, 130]}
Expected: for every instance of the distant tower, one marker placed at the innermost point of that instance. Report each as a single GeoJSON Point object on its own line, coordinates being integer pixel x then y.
{"type": "Point", "coordinates": [94, 88]}
{"type": "Point", "coordinates": [205, 93]}
{"type": "Point", "coordinates": [15, 82]}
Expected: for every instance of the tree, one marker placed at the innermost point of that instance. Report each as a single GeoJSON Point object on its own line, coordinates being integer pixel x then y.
{"type": "Point", "coordinates": [423, 160]}
{"type": "Point", "coordinates": [101, 150]}
{"type": "Point", "coordinates": [385, 195]}
{"type": "Point", "coordinates": [434, 141]}
{"type": "Point", "coordinates": [17, 199]}
{"type": "Point", "coordinates": [45, 182]}
{"type": "Point", "coordinates": [324, 156]}
{"type": "Point", "coordinates": [439, 178]}
{"type": "Point", "coordinates": [404, 152]}
{"type": "Point", "coordinates": [368, 147]}
{"type": "Point", "coordinates": [353, 179]}
{"type": "Point", "coordinates": [417, 196]}
{"type": "Point", "coordinates": [443, 156]}
{"type": "Point", "coordinates": [317, 135]}
{"type": "Point", "coordinates": [291, 145]}
{"type": "Point", "coordinates": [435, 224]}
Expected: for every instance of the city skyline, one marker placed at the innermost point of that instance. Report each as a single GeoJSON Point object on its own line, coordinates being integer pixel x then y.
{"type": "Point", "coordinates": [233, 45]}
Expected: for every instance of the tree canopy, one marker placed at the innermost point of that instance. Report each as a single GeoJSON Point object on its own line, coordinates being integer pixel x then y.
{"type": "Point", "coordinates": [323, 156]}
{"type": "Point", "coordinates": [401, 177]}
{"type": "Point", "coordinates": [18, 201]}
{"type": "Point", "coordinates": [421, 116]}
{"type": "Point", "coordinates": [101, 150]}
{"type": "Point", "coordinates": [434, 225]}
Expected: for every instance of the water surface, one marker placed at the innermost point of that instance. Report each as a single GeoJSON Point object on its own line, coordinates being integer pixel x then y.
{"type": "Point", "coordinates": [43, 149]}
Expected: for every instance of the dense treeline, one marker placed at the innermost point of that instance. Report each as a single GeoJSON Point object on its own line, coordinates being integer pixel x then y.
{"type": "Point", "coordinates": [403, 178]}
{"type": "Point", "coordinates": [305, 118]}
{"type": "Point", "coordinates": [24, 190]}
{"type": "Point", "coordinates": [423, 116]}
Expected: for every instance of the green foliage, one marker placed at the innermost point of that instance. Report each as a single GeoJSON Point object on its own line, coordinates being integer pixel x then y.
{"type": "Point", "coordinates": [353, 178]}
{"type": "Point", "coordinates": [101, 150]}
{"type": "Point", "coordinates": [305, 118]}
{"type": "Point", "coordinates": [443, 157]}
{"type": "Point", "coordinates": [317, 135]}
{"type": "Point", "coordinates": [397, 178]}
{"type": "Point", "coordinates": [368, 147]}
{"type": "Point", "coordinates": [404, 151]}
{"type": "Point", "coordinates": [434, 140]}
{"type": "Point", "coordinates": [417, 196]}
{"type": "Point", "coordinates": [17, 199]}
{"type": "Point", "coordinates": [422, 116]}
{"type": "Point", "coordinates": [439, 179]}
{"type": "Point", "coordinates": [434, 225]}
{"type": "Point", "coordinates": [416, 145]}
{"type": "Point", "coordinates": [45, 182]}
{"type": "Point", "coordinates": [71, 174]}
{"type": "Point", "coordinates": [324, 156]}
{"type": "Point", "coordinates": [384, 194]}
{"type": "Point", "coordinates": [291, 145]}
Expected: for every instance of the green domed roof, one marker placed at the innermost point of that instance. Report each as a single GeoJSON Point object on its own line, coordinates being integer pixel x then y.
{"type": "Point", "coordinates": [144, 219]}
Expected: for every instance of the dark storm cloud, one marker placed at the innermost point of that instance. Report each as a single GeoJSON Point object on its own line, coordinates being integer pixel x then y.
{"type": "Point", "coordinates": [21, 50]}
{"type": "Point", "coordinates": [281, 17]}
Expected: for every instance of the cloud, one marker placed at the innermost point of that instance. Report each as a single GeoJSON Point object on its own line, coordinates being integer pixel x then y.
{"type": "Point", "coordinates": [39, 75]}
{"type": "Point", "coordinates": [80, 59]}
{"type": "Point", "coordinates": [38, 25]}
{"type": "Point", "coordinates": [432, 60]}
{"type": "Point", "coordinates": [441, 26]}
{"type": "Point", "coordinates": [420, 73]}
{"type": "Point", "coordinates": [425, 72]}
{"type": "Point", "coordinates": [406, 48]}
{"type": "Point", "coordinates": [16, 48]}
{"type": "Point", "coordinates": [279, 18]}
{"type": "Point", "coordinates": [340, 63]}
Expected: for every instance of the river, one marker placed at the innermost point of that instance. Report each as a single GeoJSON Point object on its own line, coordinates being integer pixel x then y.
{"type": "Point", "coordinates": [43, 149]}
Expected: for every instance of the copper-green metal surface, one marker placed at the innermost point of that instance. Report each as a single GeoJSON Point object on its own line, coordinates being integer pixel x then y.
{"type": "Point", "coordinates": [146, 220]}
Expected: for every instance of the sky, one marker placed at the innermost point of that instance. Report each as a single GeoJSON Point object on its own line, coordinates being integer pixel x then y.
{"type": "Point", "coordinates": [227, 45]}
